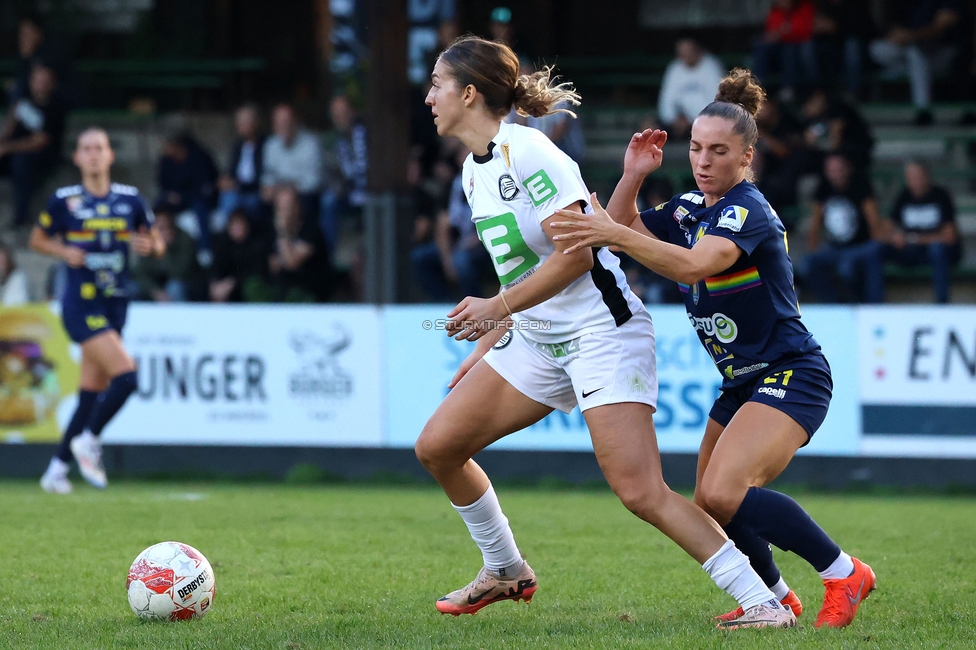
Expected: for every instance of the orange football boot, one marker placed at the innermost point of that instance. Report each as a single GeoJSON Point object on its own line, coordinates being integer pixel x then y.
{"type": "Point", "coordinates": [843, 596]}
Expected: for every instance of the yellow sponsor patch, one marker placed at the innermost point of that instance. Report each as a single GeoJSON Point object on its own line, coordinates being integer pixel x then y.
{"type": "Point", "coordinates": [88, 290]}
{"type": "Point", "coordinates": [44, 220]}
{"type": "Point", "coordinates": [114, 223]}
{"type": "Point", "coordinates": [660, 206]}
{"type": "Point", "coordinates": [505, 154]}
{"type": "Point", "coordinates": [96, 322]}
{"type": "Point", "coordinates": [102, 209]}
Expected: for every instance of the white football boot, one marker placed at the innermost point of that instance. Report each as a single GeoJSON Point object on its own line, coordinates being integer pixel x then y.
{"type": "Point", "coordinates": [55, 479]}
{"type": "Point", "coordinates": [87, 449]}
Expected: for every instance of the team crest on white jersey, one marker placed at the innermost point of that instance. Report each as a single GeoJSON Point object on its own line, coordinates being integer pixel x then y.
{"type": "Point", "coordinates": [507, 188]}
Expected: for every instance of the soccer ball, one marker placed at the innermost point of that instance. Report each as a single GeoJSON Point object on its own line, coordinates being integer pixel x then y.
{"type": "Point", "coordinates": [170, 581]}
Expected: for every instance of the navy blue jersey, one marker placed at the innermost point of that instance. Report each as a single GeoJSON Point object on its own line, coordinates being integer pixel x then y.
{"type": "Point", "coordinates": [101, 226]}
{"type": "Point", "coordinates": [747, 317]}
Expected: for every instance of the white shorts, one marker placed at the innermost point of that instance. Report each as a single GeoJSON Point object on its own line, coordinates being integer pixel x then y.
{"type": "Point", "coordinates": [608, 367]}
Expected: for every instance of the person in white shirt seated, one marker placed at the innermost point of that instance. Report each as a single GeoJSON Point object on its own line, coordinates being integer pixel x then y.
{"type": "Point", "coordinates": [689, 85]}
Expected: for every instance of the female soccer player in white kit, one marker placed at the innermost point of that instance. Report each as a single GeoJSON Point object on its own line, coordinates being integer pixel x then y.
{"type": "Point", "coordinates": [596, 348]}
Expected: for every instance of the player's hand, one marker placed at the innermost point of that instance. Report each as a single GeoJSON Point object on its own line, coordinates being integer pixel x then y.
{"type": "Point", "coordinates": [484, 344]}
{"type": "Point", "coordinates": [588, 230]}
{"type": "Point", "coordinates": [142, 243]}
{"type": "Point", "coordinates": [645, 152]}
{"type": "Point", "coordinates": [472, 318]}
{"type": "Point", "coordinates": [73, 256]}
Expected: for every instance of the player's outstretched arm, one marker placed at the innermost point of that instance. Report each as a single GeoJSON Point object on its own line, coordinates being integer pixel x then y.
{"type": "Point", "coordinates": [44, 244]}
{"type": "Point", "coordinates": [644, 155]}
{"type": "Point", "coordinates": [709, 256]}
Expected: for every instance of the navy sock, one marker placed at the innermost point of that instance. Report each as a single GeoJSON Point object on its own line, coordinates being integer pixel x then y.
{"type": "Point", "coordinates": [780, 520]}
{"type": "Point", "coordinates": [86, 401]}
{"type": "Point", "coordinates": [112, 400]}
{"type": "Point", "coordinates": [756, 549]}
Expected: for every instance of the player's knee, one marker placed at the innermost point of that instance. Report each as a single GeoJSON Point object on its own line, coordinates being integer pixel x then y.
{"type": "Point", "coordinates": [430, 452]}
{"type": "Point", "coordinates": [645, 499]}
{"type": "Point", "coordinates": [716, 497]}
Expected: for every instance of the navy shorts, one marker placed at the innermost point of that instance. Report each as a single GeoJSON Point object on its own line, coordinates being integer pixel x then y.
{"type": "Point", "coordinates": [800, 387]}
{"type": "Point", "coordinates": [84, 319]}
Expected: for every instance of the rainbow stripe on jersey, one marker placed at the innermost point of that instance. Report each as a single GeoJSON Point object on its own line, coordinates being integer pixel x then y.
{"type": "Point", "coordinates": [738, 281]}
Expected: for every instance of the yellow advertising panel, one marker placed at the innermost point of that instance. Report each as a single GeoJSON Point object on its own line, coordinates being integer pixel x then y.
{"type": "Point", "coordinates": [36, 373]}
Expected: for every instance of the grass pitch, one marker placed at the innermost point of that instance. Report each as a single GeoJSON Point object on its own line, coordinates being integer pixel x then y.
{"type": "Point", "coordinates": [360, 567]}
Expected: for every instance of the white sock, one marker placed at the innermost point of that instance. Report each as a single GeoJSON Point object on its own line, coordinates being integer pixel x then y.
{"type": "Point", "coordinates": [490, 530]}
{"type": "Point", "coordinates": [780, 589]}
{"type": "Point", "coordinates": [839, 569]}
{"type": "Point", "coordinates": [731, 571]}
{"type": "Point", "coordinates": [58, 466]}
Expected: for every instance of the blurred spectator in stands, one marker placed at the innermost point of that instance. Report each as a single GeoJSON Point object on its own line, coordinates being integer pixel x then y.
{"type": "Point", "coordinates": [298, 266]}
{"type": "Point", "coordinates": [34, 47]}
{"type": "Point", "coordinates": [292, 158]}
{"type": "Point", "coordinates": [832, 124]}
{"type": "Point", "coordinates": [689, 85]}
{"type": "Point", "coordinates": [30, 139]}
{"type": "Point", "coordinates": [176, 276]}
{"type": "Point", "coordinates": [240, 259]}
{"type": "Point", "coordinates": [425, 256]}
{"type": "Point", "coordinates": [565, 131]}
{"type": "Point", "coordinates": [845, 208]}
{"type": "Point", "coordinates": [923, 229]}
{"type": "Point", "coordinates": [842, 30]}
{"type": "Point", "coordinates": [346, 196]}
{"type": "Point", "coordinates": [14, 287]}
{"type": "Point", "coordinates": [788, 40]}
{"type": "Point", "coordinates": [456, 255]}
{"type": "Point", "coordinates": [924, 41]}
{"type": "Point", "coordinates": [240, 187]}
{"type": "Point", "coordinates": [780, 154]}
{"type": "Point", "coordinates": [188, 181]}
{"type": "Point", "coordinates": [500, 26]}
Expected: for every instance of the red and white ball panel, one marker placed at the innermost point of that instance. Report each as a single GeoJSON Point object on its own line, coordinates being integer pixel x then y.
{"type": "Point", "coordinates": [170, 581]}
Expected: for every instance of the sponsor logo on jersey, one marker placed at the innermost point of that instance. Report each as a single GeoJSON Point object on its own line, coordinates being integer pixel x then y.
{"type": "Point", "coordinates": [540, 187]}
{"type": "Point", "coordinates": [471, 189]}
{"type": "Point", "coordinates": [718, 325]}
{"type": "Point", "coordinates": [44, 220]}
{"type": "Point", "coordinates": [102, 210]}
{"type": "Point", "coordinates": [507, 188]}
{"type": "Point", "coordinates": [732, 218]}
{"type": "Point", "coordinates": [695, 294]}
{"type": "Point", "coordinates": [778, 393]}
{"type": "Point", "coordinates": [505, 149]}
{"type": "Point", "coordinates": [106, 223]}
{"type": "Point", "coordinates": [114, 261]}
{"type": "Point", "coordinates": [702, 229]}
{"type": "Point", "coordinates": [679, 213]}
{"type": "Point", "coordinates": [122, 208]}
{"type": "Point", "coordinates": [73, 203]}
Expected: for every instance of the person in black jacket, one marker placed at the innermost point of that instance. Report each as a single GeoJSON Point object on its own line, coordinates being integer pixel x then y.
{"type": "Point", "coordinates": [240, 257]}
{"type": "Point", "coordinates": [240, 187]}
{"type": "Point", "coordinates": [187, 181]}
{"type": "Point", "coordinates": [923, 228]}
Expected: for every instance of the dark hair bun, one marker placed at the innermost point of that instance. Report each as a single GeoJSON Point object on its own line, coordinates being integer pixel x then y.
{"type": "Point", "coordinates": [740, 87]}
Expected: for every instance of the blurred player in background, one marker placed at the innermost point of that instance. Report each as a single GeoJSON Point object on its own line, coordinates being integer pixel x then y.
{"type": "Point", "coordinates": [91, 227]}
{"type": "Point", "coordinates": [727, 249]}
{"type": "Point", "coordinates": [595, 349]}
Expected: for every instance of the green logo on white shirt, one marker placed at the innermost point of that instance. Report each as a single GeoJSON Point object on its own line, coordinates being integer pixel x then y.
{"type": "Point", "coordinates": [504, 242]}
{"type": "Point", "coordinates": [540, 187]}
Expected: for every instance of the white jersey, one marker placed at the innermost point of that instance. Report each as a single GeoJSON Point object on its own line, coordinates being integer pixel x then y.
{"type": "Point", "coordinates": [522, 180]}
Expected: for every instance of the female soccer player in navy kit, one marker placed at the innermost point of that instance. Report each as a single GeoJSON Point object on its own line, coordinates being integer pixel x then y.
{"type": "Point", "coordinates": [727, 249]}
{"type": "Point", "coordinates": [91, 227]}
